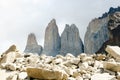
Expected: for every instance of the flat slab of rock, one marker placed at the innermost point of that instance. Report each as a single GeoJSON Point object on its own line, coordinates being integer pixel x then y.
{"type": "Point", "coordinates": [104, 76]}
{"type": "Point", "coordinates": [113, 66]}
{"type": "Point", "coordinates": [40, 73]}
{"type": "Point", "coordinates": [114, 51]}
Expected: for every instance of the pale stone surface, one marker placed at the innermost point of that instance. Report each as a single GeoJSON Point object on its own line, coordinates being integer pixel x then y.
{"type": "Point", "coordinates": [69, 67]}
{"type": "Point", "coordinates": [12, 77]}
{"type": "Point", "coordinates": [104, 76]}
{"type": "Point", "coordinates": [32, 45]}
{"type": "Point", "coordinates": [9, 57]}
{"type": "Point", "coordinates": [11, 66]}
{"type": "Point", "coordinates": [22, 75]}
{"type": "Point", "coordinates": [41, 74]}
{"type": "Point", "coordinates": [114, 51]}
{"type": "Point", "coordinates": [52, 39]}
{"type": "Point", "coordinates": [71, 41]}
{"type": "Point", "coordinates": [113, 66]}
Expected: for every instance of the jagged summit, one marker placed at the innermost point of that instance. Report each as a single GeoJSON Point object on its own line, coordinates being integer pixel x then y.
{"type": "Point", "coordinates": [52, 39]}
{"type": "Point", "coordinates": [71, 41]}
{"type": "Point", "coordinates": [32, 45]}
{"type": "Point", "coordinates": [111, 11]}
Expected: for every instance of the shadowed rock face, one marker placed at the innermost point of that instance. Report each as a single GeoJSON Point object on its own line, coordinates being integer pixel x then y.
{"type": "Point", "coordinates": [102, 32]}
{"type": "Point", "coordinates": [114, 32]}
{"type": "Point", "coordinates": [32, 45]}
{"type": "Point", "coordinates": [52, 39]}
{"type": "Point", "coordinates": [97, 33]}
{"type": "Point", "coordinates": [70, 41]}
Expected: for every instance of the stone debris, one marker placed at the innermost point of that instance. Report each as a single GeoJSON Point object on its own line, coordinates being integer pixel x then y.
{"type": "Point", "coordinates": [112, 66]}
{"type": "Point", "coordinates": [69, 67]}
{"type": "Point", "coordinates": [114, 51]}
{"type": "Point", "coordinates": [46, 74]}
{"type": "Point", "coordinates": [104, 76]}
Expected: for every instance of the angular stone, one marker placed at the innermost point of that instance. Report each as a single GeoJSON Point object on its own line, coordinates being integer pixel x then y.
{"type": "Point", "coordinates": [12, 77]}
{"type": "Point", "coordinates": [9, 57]}
{"type": "Point", "coordinates": [12, 48]}
{"type": "Point", "coordinates": [32, 45]}
{"type": "Point", "coordinates": [52, 39]}
{"type": "Point", "coordinates": [11, 66]}
{"type": "Point", "coordinates": [112, 66]}
{"type": "Point", "coordinates": [46, 74]}
{"type": "Point", "coordinates": [71, 41]}
{"type": "Point", "coordinates": [104, 76]}
{"type": "Point", "coordinates": [22, 76]}
{"type": "Point", "coordinates": [114, 51]}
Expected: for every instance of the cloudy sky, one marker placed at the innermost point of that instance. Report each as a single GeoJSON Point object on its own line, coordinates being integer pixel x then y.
{"type": "Point", "coordinates": [18, 18]}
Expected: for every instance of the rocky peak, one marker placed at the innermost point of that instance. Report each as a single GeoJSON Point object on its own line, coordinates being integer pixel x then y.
{"type": "Point", "coordinates": [32, 45]}
{"type": "Point", "coordinates": [52, 39]}
{"type": "Point", "coordinates": [32, 39]}
{"type": "Point", "coordinates": [111, 11]}
{"type": "Point", "coordinates": [70, 41]}
{"type": "Point", "coordinates": [103, 32]}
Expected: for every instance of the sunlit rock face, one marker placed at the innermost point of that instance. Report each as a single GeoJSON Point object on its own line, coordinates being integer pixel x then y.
{"type": "Point", "coordinates": [103, 31]}
{"type": "Point", "coordinates": [71, 41]}
{"type": "Point", "coordinates": [52, 39]}
{"type": "Point", "coordinates": [32, 45]}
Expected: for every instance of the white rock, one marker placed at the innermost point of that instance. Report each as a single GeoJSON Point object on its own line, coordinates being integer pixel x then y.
{"type": "Point", "coordinates": [113, 66]}
{"type": "Point", "coordinates": [11, 66]}
{"type": "Point", "coordinates": [114, 51]}
{"type": "Point", "coordinates": [40, 73]}
{"type": "Point", "coordinates": [12, 77]}
{"type": "Point", "coordinates": [9, 57]}
{"type": "Point", "coordinates": [22, 75]}
{"type": "Point", "coordinates": [104, 76]}
{"type": "Point", "coordinates": [86, 76]}
{"type": "Point", "coordinates": [82, 55]}
{"type": "Point", "coordinates": [71, 78]}
{"type": "Point", "coordinates": [79, 78]}
{"type": "Point", "coordinates": [83, 66]}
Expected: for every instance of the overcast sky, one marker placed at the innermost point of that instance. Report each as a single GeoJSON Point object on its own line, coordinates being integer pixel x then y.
{"type": "Point", "coordinates": [18, 18]}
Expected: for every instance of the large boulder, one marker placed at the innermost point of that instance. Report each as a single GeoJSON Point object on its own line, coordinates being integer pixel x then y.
{"type": "Point", "coordinates": [52, 39]}
{"type": "Point", "coordinates": [114, 51]}
{"type": "Point", "coordinates": [10, 55]}
{"type": "Point", "coordinates": [32, 45]}
{"type": "Point", "coordinates": [40, 73]}
{"type": "Point", "coordinates": [71, 41]}
{"type": "Point", "coordinates": [103, 31]}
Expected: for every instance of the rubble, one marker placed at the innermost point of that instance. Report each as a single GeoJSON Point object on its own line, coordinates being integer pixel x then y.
{"type": "Point", "coordinates": [69, 67]}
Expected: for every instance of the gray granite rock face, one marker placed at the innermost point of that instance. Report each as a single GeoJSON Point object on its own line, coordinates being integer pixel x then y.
{"type": "Point", "coordinates": [102, 32]}
{"type": "Point", "coordinates": [32, 45]}
{"type": "Point", "coordinates": [70, 41]}
{"type": "Point", "coordinates": [97, 33]}
{"type": "Point", "coordinates": [52, 39]}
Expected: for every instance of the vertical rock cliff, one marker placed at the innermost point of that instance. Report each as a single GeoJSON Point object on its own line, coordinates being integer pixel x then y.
{"type": "Point", "coordinates": [71, 41]}
{"type": "Point", "coordinates": [103, 31]}
{"type": "Point", "coordinates": [32, 45]}
{"type": "Point", "coordinates": [52, 39]}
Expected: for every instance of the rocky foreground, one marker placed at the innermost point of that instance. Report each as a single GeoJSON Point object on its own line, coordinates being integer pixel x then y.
{"type": "Point", "coordinates": [15, 65]}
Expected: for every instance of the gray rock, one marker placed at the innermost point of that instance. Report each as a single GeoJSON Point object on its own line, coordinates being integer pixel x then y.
{"type": "Point", "coordinates": [32, 45]}
{"type": "Point", "coordinates": [103, 32]}
{"type": "Point", "coordinates": [97, 33]}
{"type": "Point", "coordinates": [70, 41]}
{"type": "Point", "coordinates": [52, 39]}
